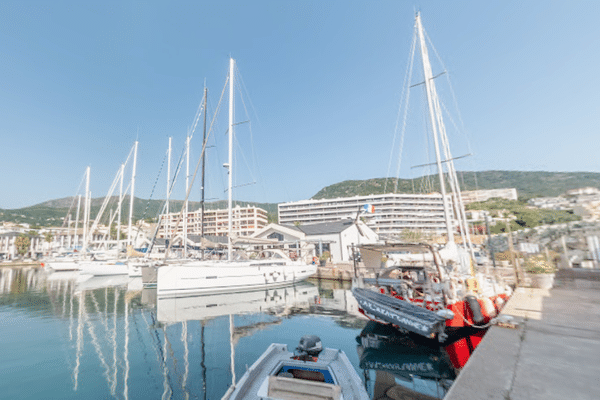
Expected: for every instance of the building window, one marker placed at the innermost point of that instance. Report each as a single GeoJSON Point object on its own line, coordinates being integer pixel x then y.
{"type": "Point", "coordinates": [276, 235]}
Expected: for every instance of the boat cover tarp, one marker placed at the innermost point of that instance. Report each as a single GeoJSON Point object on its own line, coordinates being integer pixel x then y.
{"type": "Point", "coordinates": [399, 312]}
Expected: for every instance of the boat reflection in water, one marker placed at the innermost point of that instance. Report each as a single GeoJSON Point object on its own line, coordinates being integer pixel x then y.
{"type": "Point", "coordinates": [106, 338]}
{"type": "Point", "coordinates": [179, 311]}
{"type": "Point", "coordinates": [401, 366]}
{"type": "Point", "coordinates": [279, 301]}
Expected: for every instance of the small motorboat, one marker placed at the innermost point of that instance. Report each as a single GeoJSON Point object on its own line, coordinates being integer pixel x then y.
{"type": "Point", "coordinates": [310, 372]}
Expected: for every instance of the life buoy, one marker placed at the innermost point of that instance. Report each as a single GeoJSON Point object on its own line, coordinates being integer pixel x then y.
{"type": "Point", "coordinates": [499, 303]}
{"type": "Point", "coordinates": [487, 307]}
{"type": "Point", "coordinates": [314, 260]}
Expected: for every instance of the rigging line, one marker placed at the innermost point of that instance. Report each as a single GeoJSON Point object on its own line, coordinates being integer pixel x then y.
{"type": "Point", "coordinates": [73, 199]}
{"type": "Point", "coordinates": [178, 168]}
{"type": "Point", "coordinates": [404, 95]}
{"type": "Point", "coordinates": [443, 161]}
{"type": "Point", "coordinates": [189, 189]}
{"type": "Point", "coordinates": [449, 116]}
{"type": "Point", "coordinates": [254, 158]}
{"type": "Point", "coordinates": [152, 193]}
{"type": "Point", "coordinates": [104, 204]}
{"type": "Point", "coordinates": [432, 78]}
{"type": "Point", "coordinates": [111, 190]}
{"type": "Point", "coordinates": [244, 158]}
{"type": "Point", "coordinates": [404, 119]}
{"type": "Point", "coordinates": [158, 225]}
{"type": "Point", "coordinates": [242, 85]}
{"type": "Point", "coordinates": [461, 130]}
{"type": "Point", "coordinates": [455, 102]}
{"type": "Point", "coordinates": [447, 78]}
{"type": "Point", "coordinates": [212, 126]}
{"type": "Point", "coordinates": [425, 180]}
{"type": "Point", "coordinates": [197, 117]}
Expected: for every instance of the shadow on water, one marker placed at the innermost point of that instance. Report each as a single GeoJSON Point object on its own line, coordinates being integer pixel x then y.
{"type": "Point", "coordinates": [400, 366]}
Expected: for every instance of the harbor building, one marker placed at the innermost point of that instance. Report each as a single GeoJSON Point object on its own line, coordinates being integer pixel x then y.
{"type": "Point", "coordinates": [9, 250]}
{"type": "Point", "coordinates": [245, 220]}
{"type": "Point", "coordinates": [392, 213]}
{"type": "Point", "coordinates": [314, 240]}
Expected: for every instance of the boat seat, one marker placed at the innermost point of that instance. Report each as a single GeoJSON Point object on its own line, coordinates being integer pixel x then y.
{"type": "Point", "coordinates": [284, 388]}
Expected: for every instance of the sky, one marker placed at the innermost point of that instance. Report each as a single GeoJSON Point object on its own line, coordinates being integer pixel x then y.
{"type": "Point", "coordinates": [321, 84]}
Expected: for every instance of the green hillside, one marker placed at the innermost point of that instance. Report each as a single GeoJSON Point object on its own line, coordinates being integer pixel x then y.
{"type": "Point", "coordinates": [53, 212]}
{"type": "Point", "coordinates": [529, 184]}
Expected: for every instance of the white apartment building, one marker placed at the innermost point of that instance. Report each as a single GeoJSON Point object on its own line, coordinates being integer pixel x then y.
{"type": "Point", "coordinates": [393, 213]}
{"type": "Point", "coordinates": [245, 220]}
{"type": "Point", "coordinates": [471, 196]}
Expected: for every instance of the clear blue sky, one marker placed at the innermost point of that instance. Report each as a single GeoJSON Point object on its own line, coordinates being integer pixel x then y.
{"type": "Point", "coordinates": [80, 81]}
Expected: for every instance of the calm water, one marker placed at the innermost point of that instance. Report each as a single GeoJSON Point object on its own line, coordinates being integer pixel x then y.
{"type": "Point", "coordinates": [66, 336]}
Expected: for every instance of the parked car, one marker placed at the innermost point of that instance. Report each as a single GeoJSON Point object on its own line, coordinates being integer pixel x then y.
{"type": "Point", "coordinates": [480, 258]}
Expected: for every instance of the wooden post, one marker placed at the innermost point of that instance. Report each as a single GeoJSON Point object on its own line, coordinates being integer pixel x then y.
{"type": "Point", "coordinates": [514, 260]}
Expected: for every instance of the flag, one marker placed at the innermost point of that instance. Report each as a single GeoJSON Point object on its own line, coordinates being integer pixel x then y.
{"type": "Point", "coordinates": [369, 208]}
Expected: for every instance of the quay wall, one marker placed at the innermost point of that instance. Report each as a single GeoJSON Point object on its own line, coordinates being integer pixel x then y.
{"type": "Point", "coordinates": [548, 351]}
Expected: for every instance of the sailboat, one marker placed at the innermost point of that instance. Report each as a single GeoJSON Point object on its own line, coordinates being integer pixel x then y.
{"type": "Point", "coordinates": [71, 261]}
{"type": "Point", "coordinates": [279, 302]}
{"type": "Point", "coordinates": [237, 273]}
{"type": "Point", "coordinates": [434, 293]}
{"type": "Point", "coordinates": [112, 264]}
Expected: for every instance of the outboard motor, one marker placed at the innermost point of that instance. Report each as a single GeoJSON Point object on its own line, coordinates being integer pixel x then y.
{"type": "Point", "coordinates": [310, 345]}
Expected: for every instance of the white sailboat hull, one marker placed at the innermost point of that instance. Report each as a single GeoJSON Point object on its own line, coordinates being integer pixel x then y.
{"type": "Point", "coordinates": [219, 277]}
{"type": "Point", "coordinates": [104, 268]}
{"type": "Point", "coordinates": [64, 265]}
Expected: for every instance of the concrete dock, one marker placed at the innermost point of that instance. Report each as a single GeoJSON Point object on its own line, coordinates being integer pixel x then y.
{"type": "Point", "coordinates": [551, 352]}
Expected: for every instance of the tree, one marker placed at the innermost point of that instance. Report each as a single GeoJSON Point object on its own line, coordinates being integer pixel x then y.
{"type": "Point", "coordinates": [48, 237]}
{"type": "Point", "coordinates": [113, 234]}
{"type": "Point", "coordinates": [411, 235]}
{"type": "Point", "coordinates": [22, 242]}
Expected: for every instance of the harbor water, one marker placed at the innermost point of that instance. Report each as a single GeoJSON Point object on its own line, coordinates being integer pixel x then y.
{"type": "Point", "coordinates": [69, 336]}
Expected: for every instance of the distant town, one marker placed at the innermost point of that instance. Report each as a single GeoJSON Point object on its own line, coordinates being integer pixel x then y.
{"type": "Point", "coordinates": [567, 223]}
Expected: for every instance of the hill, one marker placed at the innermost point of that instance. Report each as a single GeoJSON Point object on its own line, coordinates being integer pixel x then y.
{"type": "Point", "coordinates": [52, 212]}
{"type": "Point", "coordinates": [529, 184]}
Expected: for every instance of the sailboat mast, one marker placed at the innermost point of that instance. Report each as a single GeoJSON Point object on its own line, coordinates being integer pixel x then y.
{"type": "Point", "coordinates": [167, 227]}
{"type": "Point", "coordinates": [120, 207]}
{"type": "Point", "coordinates": [69, 233]}
{"type": "Point", "coordinates": [129, 239]}
{"type": "Point", "coordinates": [86, 209]}
{"type": "Point", "coordinates": [431, 98]}
{"type": "Point", "coordinates": [187, 185]}
{"type": "Point", "coordinates": [229, 164]}
{"type": "Point", "coordinates": [77, 222]}
{"type": "Point", "coordinates": [203, 161]}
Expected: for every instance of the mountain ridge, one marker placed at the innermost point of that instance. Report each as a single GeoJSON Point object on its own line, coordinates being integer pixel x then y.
{"type": "Point", "coordinates": [528, 184]}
